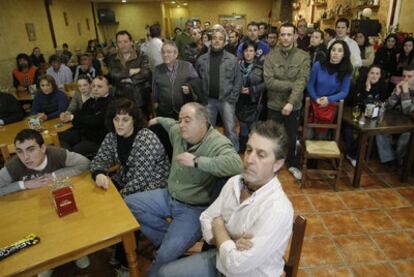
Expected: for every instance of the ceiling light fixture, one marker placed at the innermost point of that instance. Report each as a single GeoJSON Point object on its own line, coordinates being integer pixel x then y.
{"type": "Point", "coordinates": [178, 6]}
{"type": "Point", "coordinates": [123, 1]}
{"type": "Point", "coordinates": [172, 2]}
{"type": "Point", "coordinates": [185, 4]}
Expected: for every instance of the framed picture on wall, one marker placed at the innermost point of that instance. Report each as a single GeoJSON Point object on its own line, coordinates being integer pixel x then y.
{"type": "Point", "coordinates": [31, 33]}
{"type": "Point", "coordinates": [87, 24]}
{"type": "Point", "coordinates": [236, 20]}
{"type": "Point", "coordinates": [79, 29]}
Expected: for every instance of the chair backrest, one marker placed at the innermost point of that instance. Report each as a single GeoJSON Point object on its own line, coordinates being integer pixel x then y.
{"type": "Point", "coordinates": [8, 149]}
{"type": "Point", "coordinates": [292, 264]}
{"type": "Point", "coordinates": [163, 136]}
{"type": "Point", "coordinates": [336, 124]}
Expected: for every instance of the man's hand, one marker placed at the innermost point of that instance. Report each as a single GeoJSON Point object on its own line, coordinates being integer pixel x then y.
{"type": "Point", "coordinates": [102, 181]}
{"type": "Point", "coordinates": [65, 116]}
{"type": "Point", "coordinates": [368, 84]}
{"type": "Point", "coordinates": [401, 87]}
{"type": "Point", "coordinates": [134, 71]}
{"type": "Point", "coordinates": [42, 116]}
{"type": "Point", "coordinates": [152, 121]}
{"type": "Point", "coordinates": [38, 182]}
{"type": "Point", "coordinates": [186, 89]}
{"type": "Point", "coordinates": [244, 242]}
{"type": "Point", "coordinates": [287, 109]}
{"type": "Point", "coordinates": [244, 90]}
{"type": "Point", "coordinates": [405, 87]}
{"type": "Point", "coordinates": [218, 221]}
{"type": "Point", "coordinates": [185, 159]}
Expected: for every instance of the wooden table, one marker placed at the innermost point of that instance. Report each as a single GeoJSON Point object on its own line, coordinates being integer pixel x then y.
{"type": "Point", "coordinates": [102, 219]}
{"type": "Point", "coordinates": [8, 132]}
{"type": "Point", "coordinates": [394, 122]}
{"type": "Point", "coordinates": [26, 97]}
{"type": "Point", "coordinates": [23, 96]}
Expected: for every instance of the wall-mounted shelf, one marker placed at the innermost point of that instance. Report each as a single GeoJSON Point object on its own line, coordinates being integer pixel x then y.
{"type": "Point", "coordinates": [372, 7]}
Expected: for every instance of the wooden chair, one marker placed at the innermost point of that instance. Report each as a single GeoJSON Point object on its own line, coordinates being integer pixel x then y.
{"type": "Point", "coordinates": [322, 149]}
{"type": "Point", "coordinates": [7, 150]}
{"type": "Point", "coordinates": [292, 264]}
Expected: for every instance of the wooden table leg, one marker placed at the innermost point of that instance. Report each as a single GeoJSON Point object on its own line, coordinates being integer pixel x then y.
{"type": "Point", "coordinates": [362, 141]}
{"type": "Point", "coordinates": [408, 160]}
{"type": "Point", "coordinates": [130, 247]}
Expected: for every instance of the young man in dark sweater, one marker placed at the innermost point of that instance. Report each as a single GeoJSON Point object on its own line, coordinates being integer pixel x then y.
{"type": "Point", "coordinates": [36, 164]}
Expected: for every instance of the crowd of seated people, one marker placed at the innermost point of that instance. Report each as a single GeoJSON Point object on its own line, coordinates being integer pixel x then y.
{"type": "Point", "coordinates": [181, 87]}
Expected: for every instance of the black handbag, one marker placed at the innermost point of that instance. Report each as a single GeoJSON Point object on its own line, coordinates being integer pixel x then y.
{"type": "Point", "coordinates": [249, 113]}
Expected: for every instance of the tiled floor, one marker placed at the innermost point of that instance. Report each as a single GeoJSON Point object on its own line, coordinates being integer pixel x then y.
{"type": "Point", "coordinates": [357, 232]}
{"type": "Point", "coordinates": [353, 232]}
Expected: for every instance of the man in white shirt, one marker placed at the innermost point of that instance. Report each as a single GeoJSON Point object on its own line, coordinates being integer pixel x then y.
{"type": "Point", "coordinates": [60, 72]}
{"type": "Point", "coordinates": [250, 223]}
{"type": "Point", "coordinates": [154, 47]}
{"type": "Point", "coordinates": [341, 29]}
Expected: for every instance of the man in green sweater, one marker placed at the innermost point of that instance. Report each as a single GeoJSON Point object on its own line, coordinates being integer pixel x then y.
{"type": "Point", "coordinates": [201, 155]}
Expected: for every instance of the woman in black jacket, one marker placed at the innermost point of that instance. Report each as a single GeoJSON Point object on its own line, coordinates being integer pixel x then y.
{"type": "Point", "coordinates": [371, 88]}
{"type": "Point", "coordinates": [250, 101]}
{"type": "Point", "coordinates": [386, 56]}
{"type": "Point", "coordinates": [89, 129]}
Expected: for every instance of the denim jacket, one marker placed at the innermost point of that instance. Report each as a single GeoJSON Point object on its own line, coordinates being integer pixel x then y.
{"type": "Point", "coordinates": [230, 76]}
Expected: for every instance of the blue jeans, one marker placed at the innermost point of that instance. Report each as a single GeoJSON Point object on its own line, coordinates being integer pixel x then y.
{"type": "Point", "coordinates": [385, 151]}
{"type": "Point", "coordinates": [228, 115]}
{"type": "Point", "coordinates": [351, 144]}
{"type": "Point", "coordinates": [151, 208]}
{"type": "Point", "coordinates": [199, 265]}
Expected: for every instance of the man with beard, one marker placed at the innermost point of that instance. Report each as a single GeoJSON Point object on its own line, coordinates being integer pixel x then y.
{"type": "Point", "coordinates": [25, 73]}
{"type": "Point", "coordinates": [272, 38]}
{"type": "Point", "coordinates": [221, 80]}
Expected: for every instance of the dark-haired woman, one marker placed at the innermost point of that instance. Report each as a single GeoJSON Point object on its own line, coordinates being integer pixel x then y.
{"type": "Point", "coordinates": [367, 51]}
{"type": "Point", "coordinates": [386, 56]}
{"type": "Point", "coordinates": [37, 57]}
{"type": "Point", "coordinates": [329, 82]}
{"type": "Point", "coordinates": [25, 74]}
{"type": "Point", "coordinates": [406, 57]}
{"type": "Point", "coordinates": [250, 101]}
{"type": "Point", "coordinates": [370, 88]}
{"type": "Point", "coordinates": [49, 102]}
{"type": "Point", "coordinates": [82, 94]}
{"type": "Point", "coordinates": [89, 129]}
{"type": "Point", "coordinates": [143, 161]}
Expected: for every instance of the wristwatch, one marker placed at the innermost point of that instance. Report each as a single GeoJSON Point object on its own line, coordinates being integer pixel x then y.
{"type": "Point", "coordinates": [195, 160]}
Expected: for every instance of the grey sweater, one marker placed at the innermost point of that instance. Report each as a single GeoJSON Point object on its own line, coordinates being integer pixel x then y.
{"type": "Point", "coordinates": [74, 165]}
